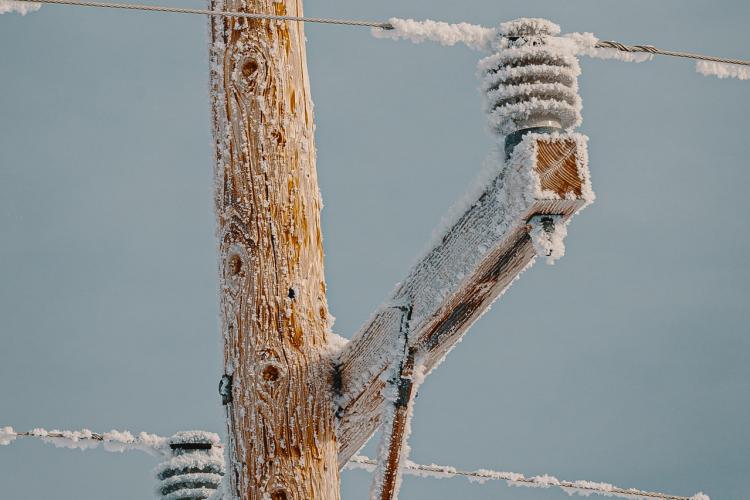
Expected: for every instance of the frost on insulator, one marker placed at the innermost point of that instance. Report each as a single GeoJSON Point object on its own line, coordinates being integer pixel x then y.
{"type": "Point", "coordinates": [723, 70]}
{"type": "Point", "coordinates": [547, 234]}
{"type": "Point", "coordinates": [473, 36]}
{"type": "Point", "coordinates": [530, 80]}
{"type": "Point", "coordinates": [22, 8]}
{"type": "Point", "coordinates": [195, 469]}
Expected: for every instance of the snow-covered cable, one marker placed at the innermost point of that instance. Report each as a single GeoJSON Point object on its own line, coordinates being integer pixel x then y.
{"type": "Point", "coordinates": [114, 441]}
{"type": "Point", "coordinates": [471, 35]}
{"type": "Point", "coordinates": [474, 36]}
{"type": "Point", "coordinates": [583, 488]}
{"type": "Point", "coordinates": [22, 8]}
{"type": "Point", "coordinates": [482, 38]}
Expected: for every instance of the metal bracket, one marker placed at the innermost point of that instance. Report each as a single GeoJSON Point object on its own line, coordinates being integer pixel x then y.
{"type": "Point", "coordinates": [225, 389]}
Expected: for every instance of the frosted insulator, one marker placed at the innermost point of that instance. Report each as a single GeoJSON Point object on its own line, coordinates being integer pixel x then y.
{"type": "Point", "coordinates": [531, 79]}
{"type": "Point", "coordinates": [195, 469]}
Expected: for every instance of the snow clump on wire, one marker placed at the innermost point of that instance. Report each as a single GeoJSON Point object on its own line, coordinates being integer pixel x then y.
{"type": "Point", "coordinates": [22, 8]}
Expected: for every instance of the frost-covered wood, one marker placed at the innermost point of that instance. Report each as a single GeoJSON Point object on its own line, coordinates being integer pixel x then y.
{"type": "Point", "coordinates": [478, 257]}
{"type": "Point", "coordinates": [399, 393]}
{"type": "Point", "coordinates": [274, 313]}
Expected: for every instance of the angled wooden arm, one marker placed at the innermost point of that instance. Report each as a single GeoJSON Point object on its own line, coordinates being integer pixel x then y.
{"type": "Point", "coordinates": [476, 260]}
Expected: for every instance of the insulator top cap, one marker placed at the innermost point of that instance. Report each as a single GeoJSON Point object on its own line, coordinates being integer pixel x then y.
{"type": "Point", "coordinates": [529, 26]}
{"type": "Point", "coordinates": [187, 438]}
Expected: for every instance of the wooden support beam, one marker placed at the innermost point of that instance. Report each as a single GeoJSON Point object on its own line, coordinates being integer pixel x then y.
{"type": "Point", "coordinates": [477, 259]}
{"type": "Point", "coordinates": [277, 385]}
{"type": "Point", "coordinates": [400, 388]}
{"type": "Point", "coordinates": [396, 429]}
{"type": "Point", "coordinates": [397, 422]}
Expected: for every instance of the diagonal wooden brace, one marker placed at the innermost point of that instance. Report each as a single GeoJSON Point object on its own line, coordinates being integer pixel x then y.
{"type": "Point", "coordinates": [476, 260]}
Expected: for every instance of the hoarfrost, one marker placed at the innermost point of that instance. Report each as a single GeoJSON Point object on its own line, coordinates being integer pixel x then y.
{"type": "Point", "coordinates": [22, 8]}
{"type": "Point", "coordinates": [581, 487]}
{"type": "Point", "coordinates": [472, 35]}
{"type": "Point", "coordinates": [585, 44]}
{"type": "Point", "coordinates": [336, 344]}
{"type": "Point", "coordinates": [482, 38]}
{"type": "Point", "coordinates": [529, 24]}
{"type": "Point", "coordinates": [547, 235]}
{"type": "Point", "coordinates": [723, 70]}
{"type": "Point", "coordinates": [113, 441]}
{"type": "Point", "coordinates": [7, 435]}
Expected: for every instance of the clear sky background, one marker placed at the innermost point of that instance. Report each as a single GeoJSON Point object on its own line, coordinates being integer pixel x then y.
{"type": "Point", "coordinates": [628, 361]}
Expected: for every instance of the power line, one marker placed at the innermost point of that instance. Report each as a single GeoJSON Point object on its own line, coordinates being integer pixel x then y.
{"type": "Point", "coordinates": [516, 479]}
{"type": "Point", "coordinates": [117, 441]}
{"type": "Point", "coordinates": [159, 446]}
{"type": "Point", "coordinates": [650, 49]}
{"type": "Point", "coordinates": [608, 44]}
{"type": "Point", "coordinates": [222, 13]}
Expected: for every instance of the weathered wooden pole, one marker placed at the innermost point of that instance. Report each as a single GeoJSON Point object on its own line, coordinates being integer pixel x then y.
{"type": "Point", "coordinates": [277, 383]}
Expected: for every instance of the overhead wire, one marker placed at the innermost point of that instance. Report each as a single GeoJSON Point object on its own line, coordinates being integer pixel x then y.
{"type": "Point", "coordinates": [650, 49]}
{"type": "Point", "coordinates": [157, 445]}
{"type": "Point", "coordinates": [584, 488]}
{"type": "Point", "coordinates": [384, 25]}
{"type": "Point", "coordinates": [219, 13]}
{"type": "Point", "coordinates": [84, 439]}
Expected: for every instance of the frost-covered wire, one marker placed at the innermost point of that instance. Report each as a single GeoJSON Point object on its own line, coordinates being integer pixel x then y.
{"type": "Point", "coordinates": [474, 36]}
{"type": "Point", "coordinates": [482, 38]}
{"type": "Point", "coordinates": [119, 441]}
{"type": "Point", "coordinates": [583, 488]}
{"type": "Point", "coordinates": [22, 8]}
{"type": "Point", "coordinates": [114, 441]}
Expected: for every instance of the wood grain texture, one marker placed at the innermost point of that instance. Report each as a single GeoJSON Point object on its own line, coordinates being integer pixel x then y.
{"type": "Point", "coordinates": [274, 314]}
{"type": "Point", "coordinates": [478, 258]}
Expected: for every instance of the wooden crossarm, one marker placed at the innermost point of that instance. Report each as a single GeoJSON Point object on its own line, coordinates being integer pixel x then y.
{"type": "Point", "coordinates": [477, 259]}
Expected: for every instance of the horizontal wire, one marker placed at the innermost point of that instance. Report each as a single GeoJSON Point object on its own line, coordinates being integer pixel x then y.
{"type": "Point", "coordinates": [218, 13]}
{"type": "Point", "coordinates": [158, 445]}
{"type": "Point", "coordinates": [586, 487]}
{"type": "Point", "coordinates": [650, 49]}
{"type": "Point", "coordinates": [602, 44]}
{"type": "Point", "coordinates": [118, 440]}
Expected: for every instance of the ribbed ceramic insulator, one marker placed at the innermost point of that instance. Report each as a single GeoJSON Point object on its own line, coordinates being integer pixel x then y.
{"type": "Point", "coordinates": [530, 81]}
{"type": "Point", "coordinates": [195, 469]}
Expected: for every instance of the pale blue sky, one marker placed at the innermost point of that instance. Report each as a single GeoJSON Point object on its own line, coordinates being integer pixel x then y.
{"type": "Point", "coordinates": [625, 362]}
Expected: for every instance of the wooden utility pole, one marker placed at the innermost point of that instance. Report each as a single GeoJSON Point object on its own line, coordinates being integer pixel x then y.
{"type": "Point", "coordinates": [280, 383]}
{"type": "Point", "coordinates": [277, 384]}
